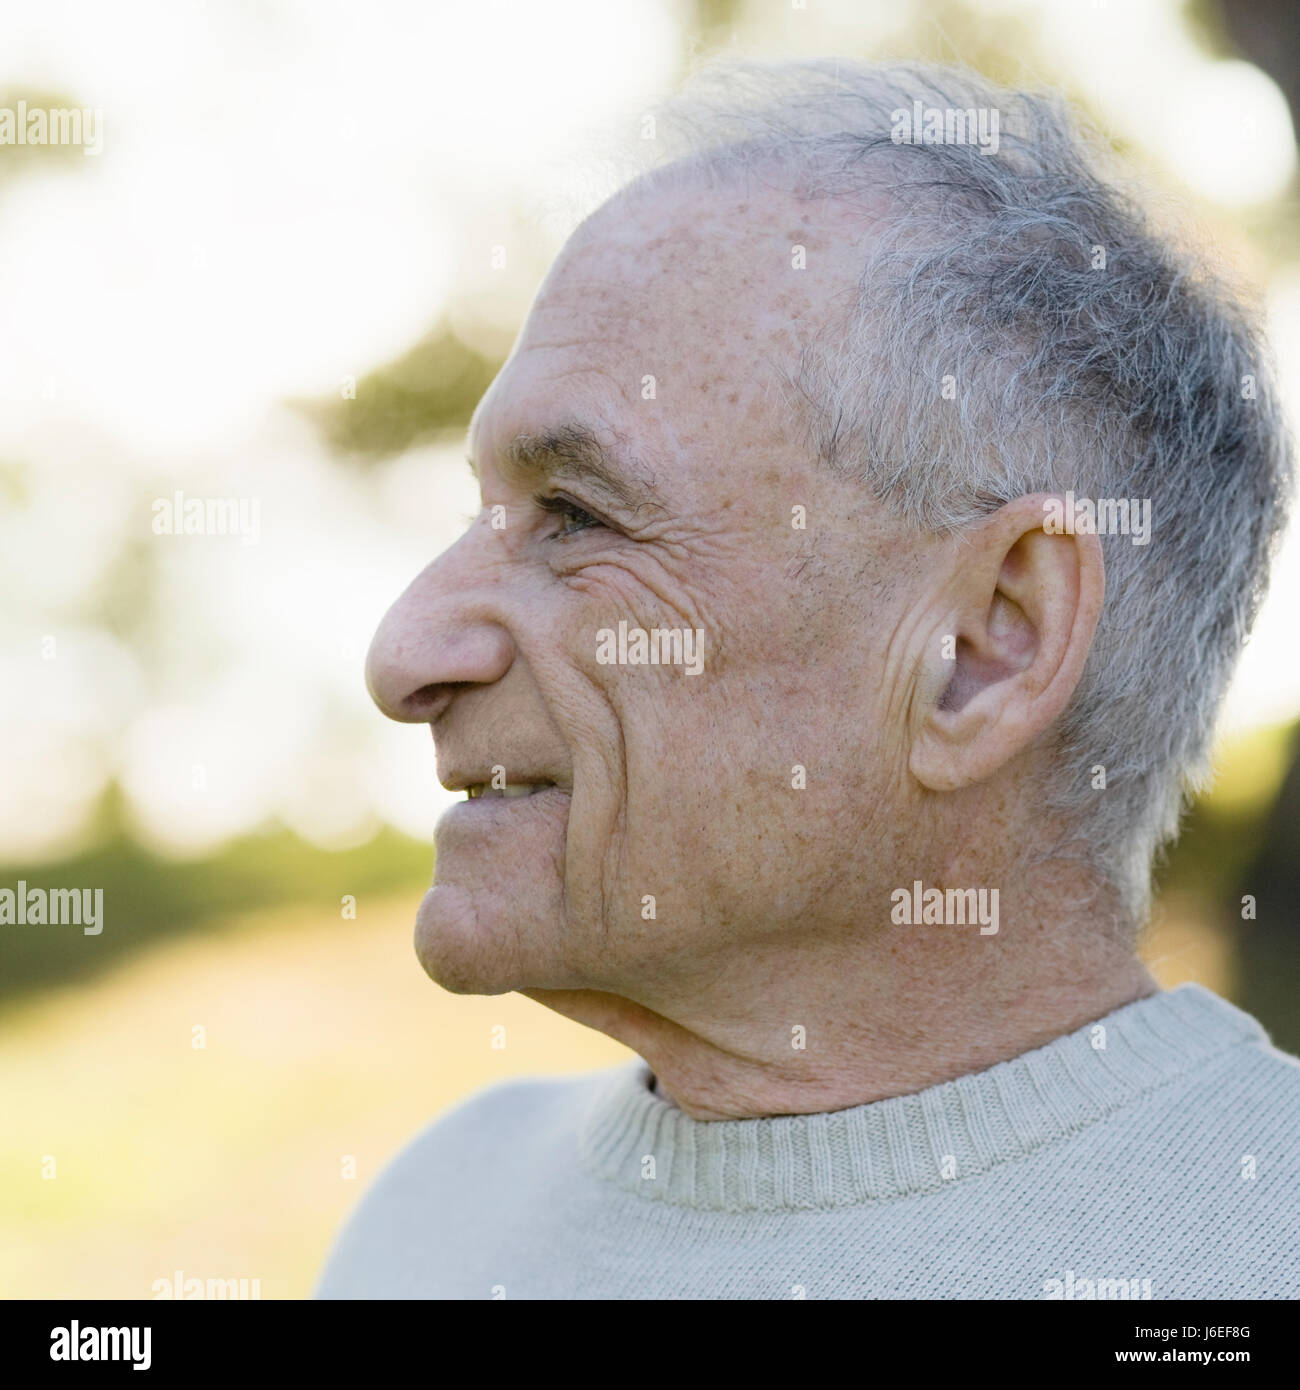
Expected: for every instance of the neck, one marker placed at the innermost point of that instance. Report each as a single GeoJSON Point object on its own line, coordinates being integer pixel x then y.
{"type": "Point", "coordinates": [808, 1025]}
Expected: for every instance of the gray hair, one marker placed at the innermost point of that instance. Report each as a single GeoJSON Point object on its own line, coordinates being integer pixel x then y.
{"type": "Point", "coordinates": [1127, 374]}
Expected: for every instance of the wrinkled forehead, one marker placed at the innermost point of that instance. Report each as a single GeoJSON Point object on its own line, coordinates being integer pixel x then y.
{"type": "Point", "coordinates": [674, 325]}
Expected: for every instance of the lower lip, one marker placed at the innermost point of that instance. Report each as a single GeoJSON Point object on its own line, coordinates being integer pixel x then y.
{"type": "Point", "coordinates": [489, 810]}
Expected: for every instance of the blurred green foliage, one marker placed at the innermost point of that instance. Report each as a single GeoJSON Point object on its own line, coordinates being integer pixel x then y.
{"type": "Point", "coordinates": [422, 395]}
{"type": "Point", "coordinates": [23, 159]}
{"type": "Point", "coordinates": [147, 897]}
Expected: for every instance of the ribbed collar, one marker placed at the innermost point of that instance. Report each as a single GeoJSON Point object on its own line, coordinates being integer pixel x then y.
{"type": "Point", "coordinates": [907, 1144]}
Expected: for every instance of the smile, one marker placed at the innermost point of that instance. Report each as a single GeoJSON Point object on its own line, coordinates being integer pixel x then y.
{"type": "Point", "coordinates": [511, 789]}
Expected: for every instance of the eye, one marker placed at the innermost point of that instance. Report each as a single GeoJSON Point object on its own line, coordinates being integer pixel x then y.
{"type": "Point", "coordinates": [573, 517]}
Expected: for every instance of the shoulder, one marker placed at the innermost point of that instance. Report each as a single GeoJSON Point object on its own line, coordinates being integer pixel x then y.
{"type": "Point", "coordinates": [1222, 1151]}
{"type": "Point", "coordinates": [1257, 1090]}
{"type": "Point", "coordinates": [1243, 1088]}
{"type": "Point", "coordinates": [1255, 1071]}
{"type": "Point", "coordinates": [500, 1111]}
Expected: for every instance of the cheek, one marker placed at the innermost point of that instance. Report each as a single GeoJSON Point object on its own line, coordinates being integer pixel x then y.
{"type": "Point", "coordinates": [739, 802]}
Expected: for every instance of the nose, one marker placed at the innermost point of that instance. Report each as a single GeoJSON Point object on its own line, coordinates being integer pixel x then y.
{"type": "Point", "coordinates": [440, 636]}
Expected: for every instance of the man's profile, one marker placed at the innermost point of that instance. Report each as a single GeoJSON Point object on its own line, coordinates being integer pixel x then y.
{"type": "Point", "coordinates": [872, 516]}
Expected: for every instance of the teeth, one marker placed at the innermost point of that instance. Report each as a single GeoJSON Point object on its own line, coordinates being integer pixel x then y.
{"type": "Point", "coordinates": [510, 790]}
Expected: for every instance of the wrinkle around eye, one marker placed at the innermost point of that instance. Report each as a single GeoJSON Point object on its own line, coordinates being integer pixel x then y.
{"type": "Point", "coordinates": [564, 508]}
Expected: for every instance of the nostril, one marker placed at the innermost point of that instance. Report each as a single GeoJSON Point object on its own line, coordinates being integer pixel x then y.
{"type": "Point", "coordinates": [429, 702]}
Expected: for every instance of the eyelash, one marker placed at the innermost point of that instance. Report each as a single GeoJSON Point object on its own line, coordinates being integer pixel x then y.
{"type": "Point", "coordinates": [563, 507]}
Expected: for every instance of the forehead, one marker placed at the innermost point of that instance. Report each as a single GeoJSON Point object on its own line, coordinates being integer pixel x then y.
{"type": "Point", "coordinates": [670, 325]}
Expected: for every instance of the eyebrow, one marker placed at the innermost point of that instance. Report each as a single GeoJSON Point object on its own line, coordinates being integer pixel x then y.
{"type": "Point", "coordinates": [573, 452]}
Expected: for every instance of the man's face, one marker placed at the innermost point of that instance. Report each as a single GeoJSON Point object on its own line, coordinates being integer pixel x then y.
{"type": "Point", "coordinates": [640, 464]}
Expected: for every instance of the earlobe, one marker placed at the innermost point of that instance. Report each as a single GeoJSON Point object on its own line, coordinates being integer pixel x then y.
{"type": "Point", "coordinates": [1026, 605]}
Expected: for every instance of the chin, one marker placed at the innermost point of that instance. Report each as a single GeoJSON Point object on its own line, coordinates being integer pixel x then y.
{"type": "Point", "coordinates": [493, 920]}
{"type": "Point", "coordinates": [452, 949]}
{"type": "Point", "coordinates": [473, 943]}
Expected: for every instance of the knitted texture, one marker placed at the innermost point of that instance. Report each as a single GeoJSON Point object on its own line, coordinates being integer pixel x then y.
{"type": "Point", "coordinates": [1154, 1154]}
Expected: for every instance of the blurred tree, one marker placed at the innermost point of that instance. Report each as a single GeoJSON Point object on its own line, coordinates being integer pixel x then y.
{"type": "Point", "coordinates": [428, 391]}
{"type": "Point", "coordinates": [147, 897]}
{"type": "Point", "coordinates": [1268, 951]}
{"type": "Point", "coordinates": [1268, 35]}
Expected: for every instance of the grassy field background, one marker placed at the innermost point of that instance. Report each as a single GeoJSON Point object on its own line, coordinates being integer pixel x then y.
{"type": "Point", "coordinates": [323, 1039]}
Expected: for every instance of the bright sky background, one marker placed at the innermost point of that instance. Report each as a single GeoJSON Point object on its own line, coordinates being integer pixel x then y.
{"type": "Point", "coordinates": [288, 195]}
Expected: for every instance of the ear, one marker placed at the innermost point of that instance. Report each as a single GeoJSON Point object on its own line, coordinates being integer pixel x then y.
{"type": "Point", "coordinates": [1022, 606]}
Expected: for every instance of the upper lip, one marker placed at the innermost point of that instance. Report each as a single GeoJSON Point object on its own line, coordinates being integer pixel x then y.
{"type": "Point", "coordinates": [463, 781]}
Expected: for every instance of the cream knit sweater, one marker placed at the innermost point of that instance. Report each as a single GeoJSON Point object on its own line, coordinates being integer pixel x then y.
{"type": "Point", "coordinates": [1155, 1154]}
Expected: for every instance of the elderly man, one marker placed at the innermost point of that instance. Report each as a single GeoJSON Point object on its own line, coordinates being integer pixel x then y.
{"type": "Point", "coordinates": [871, 521]}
